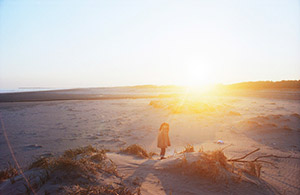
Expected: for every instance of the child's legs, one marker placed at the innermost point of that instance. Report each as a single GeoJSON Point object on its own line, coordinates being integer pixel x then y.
{"type": "Point", "coordinates": [162, 151]}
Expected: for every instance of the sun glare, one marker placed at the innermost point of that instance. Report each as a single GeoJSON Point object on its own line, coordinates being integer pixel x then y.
{"type": "Point", "coordinates": [199, 78]}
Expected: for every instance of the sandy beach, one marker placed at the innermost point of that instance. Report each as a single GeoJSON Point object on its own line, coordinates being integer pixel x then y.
{"type": "Point", "coordinates": [48, 128]}
{"type": "Point", "coordinates": [149, 97]}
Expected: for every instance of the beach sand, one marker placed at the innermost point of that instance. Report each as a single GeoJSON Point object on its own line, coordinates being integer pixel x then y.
{"type": "Point", "coordinates": [48, 128]}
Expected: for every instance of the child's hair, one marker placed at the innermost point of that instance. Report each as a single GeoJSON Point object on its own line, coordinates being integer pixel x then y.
{"type": "Point", "coordinates": [162, 125]}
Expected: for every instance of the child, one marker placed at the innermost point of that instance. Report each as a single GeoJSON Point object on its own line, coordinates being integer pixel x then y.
{"type": "Point", "coordinates": [163, 140]}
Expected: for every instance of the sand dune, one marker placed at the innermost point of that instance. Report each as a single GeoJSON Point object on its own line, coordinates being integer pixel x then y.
{"type": "Point", "coordinates": [49, 128]}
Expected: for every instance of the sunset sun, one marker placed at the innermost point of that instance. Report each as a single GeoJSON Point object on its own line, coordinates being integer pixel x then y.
{"type": "Point", "coordinates": [149, 97]}
{"type": "Point", "coordinates": [199, 76]}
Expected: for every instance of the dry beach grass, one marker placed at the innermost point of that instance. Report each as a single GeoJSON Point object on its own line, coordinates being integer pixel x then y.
{"type": "Point", "coordinates": [48, 129]}
{"type": "Point", "coordinates": [77, 171]}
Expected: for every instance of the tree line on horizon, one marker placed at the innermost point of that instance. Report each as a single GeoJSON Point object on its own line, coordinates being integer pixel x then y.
{"type": "Point", "coordinates": [284, 84]}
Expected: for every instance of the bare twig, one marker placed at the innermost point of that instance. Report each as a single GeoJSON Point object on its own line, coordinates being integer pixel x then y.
{"type": "Point", "coordinates": [257, 159]}
{"type": "Point", "coordinates": [275, 156]}
{"type": "Point", "coordinates": [226, 147]}
{"type": "Point", "coordinates": [237, 159]}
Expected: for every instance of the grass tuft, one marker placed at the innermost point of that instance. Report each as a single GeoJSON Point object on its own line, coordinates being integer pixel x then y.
{"type": "Point", "coordinates": [188, 148]}
{"type": "Point", "coordinates": [215, 166]}
{"type": "Point", "coordinates": [73, 153]}
{"type": "Point", "coordinates": [99, 156]}
{"type": "Point", "coordinates": [42, 162]}
{"type": "Point", "coordinates": [74, 172]}
{"type": "Point", "coordinates": [151, 154]}
{"type": "Point", "coordinates": [136, 150]}
{"type": "Point", "coordinates": [9, 172]}
{"type": "Point", "coordinates": [211, 165]}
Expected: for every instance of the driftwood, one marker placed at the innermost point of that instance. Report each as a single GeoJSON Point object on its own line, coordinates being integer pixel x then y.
{"type": "Point", "coordinates": [275, 156]}
{"type": "Point", "coordinates": [258, 159]}
{"type": "Point", "coordinates": [237, 159]}
{"type": "Point", "coordinates": [226, 147]}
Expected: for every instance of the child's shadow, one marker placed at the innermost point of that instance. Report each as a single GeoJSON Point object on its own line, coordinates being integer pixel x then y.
{"type": "Point", "coordinates": [139, 176]}
{"type": "Point", "coordinates": [168, 182]}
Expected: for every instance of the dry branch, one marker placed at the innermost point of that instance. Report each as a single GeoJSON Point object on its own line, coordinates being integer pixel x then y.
{"type": "Point", "coordinates": [226, 147]}
{"type": "Point", "coordinates": [237, 159]}
{"type": "Point", "coordinates": [275, 156]}
{"type": "Point", "coordinates": [257, 159]}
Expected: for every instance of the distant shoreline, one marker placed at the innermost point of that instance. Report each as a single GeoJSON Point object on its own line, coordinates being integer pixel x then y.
{"type": "Point", "coordinates": [289, 90]}
{"type": "Point", "coordinates": [292, 85]}
{"type": "Point", "coordinates": [129, 93]}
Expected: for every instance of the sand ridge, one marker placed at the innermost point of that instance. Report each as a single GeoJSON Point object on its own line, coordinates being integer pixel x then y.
{"type": "Point", "coordinates": [49, 128]}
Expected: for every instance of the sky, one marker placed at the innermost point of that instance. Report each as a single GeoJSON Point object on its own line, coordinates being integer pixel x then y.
{"type": "Point", "coordinates": [66, 44]}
